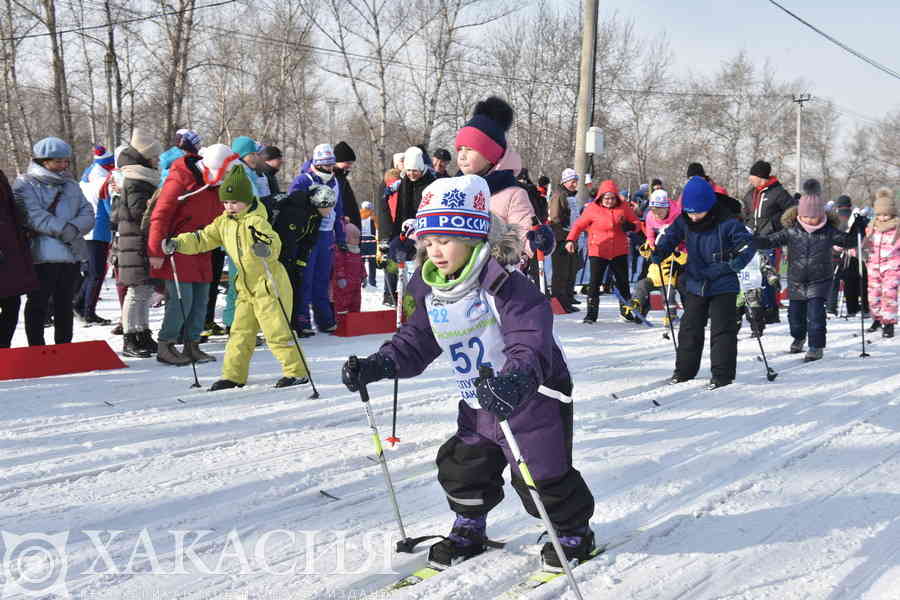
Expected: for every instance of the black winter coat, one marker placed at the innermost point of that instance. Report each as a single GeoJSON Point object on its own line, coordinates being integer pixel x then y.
{"type": "Point", "coordinates": [131, 243]}
{"type": "Point", "coordinates": [408, 198]}
{"type": "Point", "coordinates": [271, 176]}
{"type": "Point", "coordinates": [348, 198]}
{"type": "Point", "coordinates": [296, 221]}
{"type": "Point", "coordinates": [766, 217]}
{"type": "Point", "coordinates": [810, 269]}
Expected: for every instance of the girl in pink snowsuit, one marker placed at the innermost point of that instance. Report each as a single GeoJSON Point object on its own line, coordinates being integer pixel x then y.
{"type": "Point", "coordinates": [883, 246]}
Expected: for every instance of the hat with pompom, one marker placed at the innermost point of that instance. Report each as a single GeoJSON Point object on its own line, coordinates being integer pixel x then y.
{"type": "Point", "coordinates": [455, 206]}
{"type": "Point", "coordinates": [103, 157]}
{"type": "Point", "coordinates": [884, 202]}
{"type": "Point", "coordinates": [486, 130]}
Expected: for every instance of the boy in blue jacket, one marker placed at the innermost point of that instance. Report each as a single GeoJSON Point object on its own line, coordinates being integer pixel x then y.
{"type": "Point", "coordinates": [718, 247]}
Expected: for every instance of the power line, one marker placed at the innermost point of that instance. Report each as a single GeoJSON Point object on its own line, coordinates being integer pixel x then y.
{"type": "Point", "coordinates": [123, 22]}
{"type": "Point", "coordinates": [847, 48]}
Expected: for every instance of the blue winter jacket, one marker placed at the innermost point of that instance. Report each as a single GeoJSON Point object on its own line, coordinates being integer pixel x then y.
{"type": "Point", "coordinates": [718, 247]}
{"type": "Point", "coordinates": [305, 179]}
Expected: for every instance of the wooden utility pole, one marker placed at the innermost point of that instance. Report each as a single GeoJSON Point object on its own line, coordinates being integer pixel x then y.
{"type": "Point", "coordinates": [800, 100]}
{"type": "Point", "coordinates": [590, 9]}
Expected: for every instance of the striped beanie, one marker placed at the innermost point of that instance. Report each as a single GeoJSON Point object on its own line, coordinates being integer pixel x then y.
{"type": "Point", "coordinates": [455, 206]}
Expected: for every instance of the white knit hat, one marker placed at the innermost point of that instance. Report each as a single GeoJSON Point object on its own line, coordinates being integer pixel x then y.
{"type": "Point", "coordinates": [568, 175]}
{"type": "Point", "coordinates": [659, 199]}
{"type": "Point", "coordinates": [413, 160]}
{"type": "Point", "coordinates": [323, 154]}
{"type": "Point", "coordinates": [455, 206]}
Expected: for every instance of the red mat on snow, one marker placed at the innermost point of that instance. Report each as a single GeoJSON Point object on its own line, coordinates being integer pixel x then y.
{"type": "Point", "coordinates": [366, 323]}
{"type": "Point", "coordinates": [60, 359]}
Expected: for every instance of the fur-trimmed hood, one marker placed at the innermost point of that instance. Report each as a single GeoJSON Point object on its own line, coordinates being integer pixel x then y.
{"type": "Point", "coordinates": [504, 239]}
{"type": "Point", "coordinates": [789, 218]}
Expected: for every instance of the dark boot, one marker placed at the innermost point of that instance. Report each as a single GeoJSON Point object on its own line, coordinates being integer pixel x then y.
{"type": "Point", "coordinates": [797, 346]}
{"type": "Point", "coordinates": [224, 384]}
{"type": "Point", "coordinates": [192, 351]}
{"type": "Point", "coordinates": [813, 354]}
{"type": "Point", "coordinates": [466, 539]}
{"type": "Point", "coordinates": [146, 341]}
{"type": "Point", "coordinates": [593, 306]}
{"type": "Point", "coordinates": [117, 330]}
{"type": "Point", "coordinates": [168, 354]}
{"type": "Point", "coordinates": [131, 346]}
{"type": "Point", "coordinates": [289, 381]}
{"type": "Point", "coordinates": [887, 331]}
{"type": "Point", "coordinates": [715, 384]}
{"type": "Point", "coordinates": [577, 548]}
{"type": "Point", "coordinates": [875, 326]}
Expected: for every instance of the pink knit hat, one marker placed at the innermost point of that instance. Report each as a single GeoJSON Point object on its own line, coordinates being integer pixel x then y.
{"type": "Point", "coordinates": [811, 203]}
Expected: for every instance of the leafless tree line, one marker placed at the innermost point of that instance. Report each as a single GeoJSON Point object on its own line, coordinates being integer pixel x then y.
{"type": "Point", "coordinates": [383, 75]}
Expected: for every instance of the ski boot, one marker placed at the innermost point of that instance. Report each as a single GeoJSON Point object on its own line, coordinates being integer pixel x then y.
{"type": "Point", "coordinates": [676, 379]}
{"type": "Point", "coordinates": [887, 330]}
{"type": "Point", "coordinates": [875, 326]}
{"type": "Point", "coordinates": [467, 539]}
{"type": "Point", "coordinates": [289, 381]}
{"type": "Point", "coordinates": [591, 317]}
{"type": "Point", "coordinates": [224, 384]}
{"type": "Point", "coordinates": [578, 549]}
{"type": "Point", "coordinates": [715, 383]}
{"type": "Point", "coordinates": [813, 354]}
{"type": "Point", "coordinates": [797, 346]}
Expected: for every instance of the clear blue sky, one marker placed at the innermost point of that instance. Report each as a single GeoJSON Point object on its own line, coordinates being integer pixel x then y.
{"type": "Point", "coordinates": [703, 32]}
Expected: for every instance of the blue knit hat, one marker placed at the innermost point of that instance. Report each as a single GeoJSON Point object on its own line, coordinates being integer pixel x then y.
{"type": "Point", "coordinates": [698, 196]}
{"type": "Point", "coordinates": [243, 146]}
{"type": "Point", "coordinates": [52, 147]}
{"type": "Point", "coordinates": [103, 157]}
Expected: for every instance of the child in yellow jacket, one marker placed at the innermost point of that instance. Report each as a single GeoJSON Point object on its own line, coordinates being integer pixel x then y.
{"type": "Point", "coordinates": [244, 231]}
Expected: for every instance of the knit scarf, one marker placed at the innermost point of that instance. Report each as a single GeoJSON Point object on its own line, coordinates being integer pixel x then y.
{"type": "Point", "coordinates": [142, 173]}
{"type": "Point", "coordinates": [883, 226]}
{"type": "Point", "coordinates": [451, 290]}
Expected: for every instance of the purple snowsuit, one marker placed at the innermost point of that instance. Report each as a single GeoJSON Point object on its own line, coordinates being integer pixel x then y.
{"type": "Point", "coordinates": [471, 463]}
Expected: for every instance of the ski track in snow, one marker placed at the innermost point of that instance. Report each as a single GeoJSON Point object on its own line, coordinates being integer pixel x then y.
{"type": "Point", "coordinates": [787, 489]}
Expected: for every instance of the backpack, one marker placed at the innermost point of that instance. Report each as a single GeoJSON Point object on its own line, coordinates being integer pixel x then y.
{"type": "Point", "coordinates": [191, 162]}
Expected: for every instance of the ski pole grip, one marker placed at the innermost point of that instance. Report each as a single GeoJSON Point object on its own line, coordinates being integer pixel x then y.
{"type": "Point", "coordinates": [354, 366]}
{"type": "Point", "coordinates": [484, 372]}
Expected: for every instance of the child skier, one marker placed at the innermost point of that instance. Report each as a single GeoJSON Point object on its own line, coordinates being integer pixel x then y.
{"type": "Point", "coordinates": [809, 235]}
{"type": "Point", "coordinates": [349, 274]}
{"type": "Point", "coordinates": [251, 243]}
{"type": "Point", "coordinates": [471, 302]}
{"type": "Point", "coordinates": [296, 218]}
{"type": "Point", "coordinates": [664, 276]}
{"type": "Point", "coordinates": [718, 247]}
{"type": "Point", "coordinates": [883, 246]}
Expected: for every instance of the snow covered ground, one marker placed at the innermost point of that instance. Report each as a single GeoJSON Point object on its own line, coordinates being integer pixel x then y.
{"type": "Point", "coordinates": [784, 490]}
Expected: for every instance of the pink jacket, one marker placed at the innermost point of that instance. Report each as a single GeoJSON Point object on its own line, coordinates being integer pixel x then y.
{"type": "Point", "coordinates": [883, 248]}
{"type": "Point", "coordinates": [653, 224]}
{"type": "Point", "coordinates": [512, 204]}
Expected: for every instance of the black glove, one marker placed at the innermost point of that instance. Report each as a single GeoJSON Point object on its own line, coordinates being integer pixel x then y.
{"type": "Point", "coordinates": [541, 238]}
{"type": "Point", "coordinates": [169, 246]}
{"type": "Point", "coordinates": [502, 394]}
{"type": "Point", "coordinates": [859, 226]}
{"type": "Point", "coordinates": [627, 226]}
{"type": "Point", "coordinates": [342, 246]}
{"type": "Point", "coordinates": [368, 370]}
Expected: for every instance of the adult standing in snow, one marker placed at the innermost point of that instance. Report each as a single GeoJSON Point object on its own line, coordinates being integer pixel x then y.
{"type": "Point", "coordinates": [764, 204]}
{"type": "Point", "coordinates": [97, 239]}
{"type": "Point", "coordinates": [17, 275]}
{"type": "Point", "coordinates": [482, 149]}
{"type": "Point", "coordinates": [344, 157]}
{"type": "Point", "coordinates": [607, 220]}
{"type": "Point", "coordinates": [188, 201]}
{"type": "Point", "coordinates": [137, 164]}
{"type": "Point", "coordinates": [416, 177]}
{"type": "Point", "coordinates": [847, 265]}
{"type": "Point", "coordinates": [718, 247]}
{"type": "Point", "coordinates": [563, 211]}
{"type": "Point", "coordinates": [58, 215]}
{"type": "Point", "coordinates": [440, 160]}
{"type": "Point", "coordinates": [469, 305]}
{"type": "Point", "coordinates": [317, 274]}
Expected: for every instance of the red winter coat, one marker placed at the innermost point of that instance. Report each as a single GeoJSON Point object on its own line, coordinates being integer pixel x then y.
{"type": "Point", "coordinates": [606, 239]}
{"type": "Point", "coordinates": [172, 216]}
